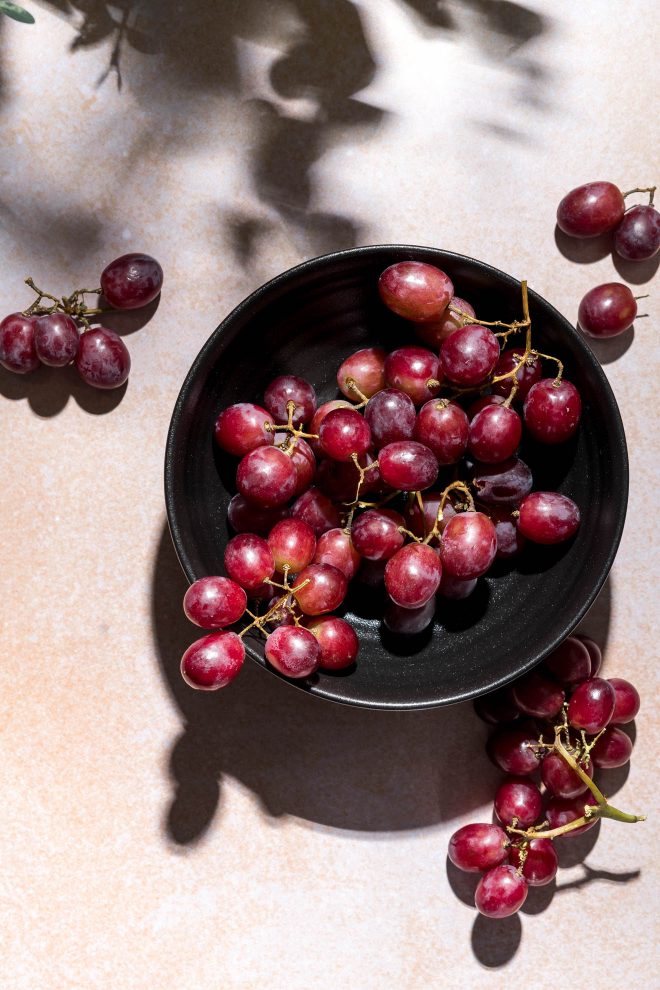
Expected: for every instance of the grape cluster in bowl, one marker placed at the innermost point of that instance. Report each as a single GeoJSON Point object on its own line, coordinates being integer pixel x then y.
{"type": "Point", "coordinates": [350, 488]}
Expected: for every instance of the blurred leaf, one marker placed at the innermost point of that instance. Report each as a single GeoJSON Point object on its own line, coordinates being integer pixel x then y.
{"type": "Point", "coordinates": [15, 12]}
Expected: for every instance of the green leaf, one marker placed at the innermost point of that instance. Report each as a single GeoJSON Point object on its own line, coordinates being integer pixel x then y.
{"type": "Point", "coordinates": [14, 11]}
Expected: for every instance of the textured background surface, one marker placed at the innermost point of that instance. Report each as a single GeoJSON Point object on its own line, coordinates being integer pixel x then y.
{"type": "Point", "coordinates": [151, 837]}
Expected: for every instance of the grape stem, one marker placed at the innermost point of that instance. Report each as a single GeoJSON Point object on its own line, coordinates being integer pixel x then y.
{"type": "Point", "coordinates": [352, 384]}
{"type": "Point", "coordinates": [260, 620]}
{"type": "Point", "coordinates": [73, 305]}
{"type": "Point", "coordinates": [289, 446]}
{"type": "Point", "coordinates": [649, 189]}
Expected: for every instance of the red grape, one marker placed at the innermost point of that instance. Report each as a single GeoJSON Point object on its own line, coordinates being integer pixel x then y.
{"type": "Point", "coordinates": [513, 750]}
{"type": "Point", "coordinates": [293, 651]}
{"type": "Point", "coordinates": [482, 402]}
{"type": "Point", "coordinates": [510, 540]}
{"type": "Point", "coordinates": [626, 701]}
{"type": "Point", "coordinates": [339, 479]}
{"type": "Point", "coordinates": [293, 544]}
{"type": "Point", "coordinates": [290, 388]}
{"type": "Point", "coordinates": [562, 811]}
{"type": "Point", "coordinates": [17, 348]}
{"type": "Point", "coordinates": [412, 575]}
{"type": "Point", "coordinates": [637, 237]}
{"type": "Point", "coordinates": [102, 359]}
{"type": "Point", "coordinates": [415, 290]}
{"type": "Point", "coordinates": [242, 427]}
{"type": "Point", "coordinates": [249, 561]}
{"type": "Point", "coordinates": [518, 798]}
{"type": "Point", "coordinates": [612, 750]}
{"type": "Point", "coordinates": [478, 847]}
{"type": "Point", "coordinates": [421, 523]}
{"type": "Point", "coordinates": [595, 654]}
{"type": "Point", "coordinates": [408, 621]}
{"type": "Point", "coordinates": [56, 339]}
{"type": "Point", "coordinates": [469, 355]}
{"type": "Point", "coordinates": [607, 310]}
{"type": "Point", "coordinates": [324, 591]}
{"type": "Point", "coordinates": [315, 508]}
{"type": "Point", "coordinates": [526, 376]}
{"type": "Point", "coordinates": [541, 862]}
{"type": "Point", "coordinates": [495, 433]}
{"type": "Point", "coordinates": [213, 661]}
{"type": "Point", "coordinates": [560, 779]}
{"type": "Point", "coordinates": [132, 281]}
{"type": "Point", "coordinates": [266, 476]}
{"type": "Point", "coordinates": [591, 209]}
{"type": "Point", "coordinates": [366, 368]}
{"type": "Point", "coordinates": [435, 331]}
{"type": "Point", "coordinates": [214, 602]}
{"type": "Point", "coordinates": [548, 517]}
{"type": "Point", "coordinates": [504, 484]}
{"type": "Point", "coordinates": [338, 641]}
{"type": "Point", "coordinates": [321, 413]}
{"type": "Point", "coordinates": [409, 369]}
{"type": "Point", "coordinates": [552, 411]}
{"type": "Point", "coordinates": [336, 547]}
{"type": "Point", "coordinates": [570, 663]}
{"type": "Point", "coordinates": [246, 517]}
{"type": "Point", "coordinates": [496, 707]}
{"type": "Point", "coordinates": [443, 427]}
{"type": "Point", "coordinates": [469, 545]}
{"type": "Point", "coordinates": [455, 588]}
{"type": "Point", "coordinates": [391, 416]}
{"type": "Point", "coordinates": [303, 460]}
{"type": "Point", "coordinates": [500, 892]}
{"type": "Point", "coordinates": [407, 466]}
{"type": "Point", "coordinates": [538, 696]}
{"type": "Point", "coordinates": [376, 534]}
{"type": "Point", "coordinates": [592, 705]}
{"type": "Point", "coordinates": [344, 432]}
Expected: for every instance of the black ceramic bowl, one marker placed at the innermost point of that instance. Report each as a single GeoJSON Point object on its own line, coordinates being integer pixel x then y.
{"type": "Point", "coordinates": [306, 321]}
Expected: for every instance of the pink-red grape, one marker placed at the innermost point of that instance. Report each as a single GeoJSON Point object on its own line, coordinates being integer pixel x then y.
{"type": "Point", "coordinates": [637, 237]}
{"type": "Point", "coordinates": [409, 369]}
{"type": "Point", "coordinates": [367, 369]}
{"type": "Point", "coordinates": [592, 705]}
{"type": "Point", "coordinates": [562, 811]}
{"type": "Point", "coordinates": [412, 575]}
{"type": "Point", "coordinates": [594, 651]}
{"type": "Point", "coordinates": [408, 621]}
{"type": "Point", "coordinates": [132, 281]}
{"type": "Point", "coordinates": [552, 411]}
{"type": "Point", "coordinates": [560, 779]}
{"type": "Point", "coordinates": [510, 540]}
{"type": "Point", "coordinates": [626, 701]}
{"type": "Point", "coordinates": [338, 641]}
{"type": "Point", "coordinates": [443, 427]}
{"type": "Point", "coordinates": [407, 466]}
{"type": "Point", "coordinates": [336, 547]}
{"type": "Point", "coordinates": [518, 798]}
{"type": "Point", "coordinates": [56, 339]}
{"type": "Point", "coordinates": [469, 355]}
{"type": "Point", "coordinates": [376, 533]}
{"type": "Point", "coordinates": [500, 892]}
{"type": "Point", "coordinates": [478, 847]}
{"type": "Point", "coordinates": [266, 476]}
{"type": "Point", "coordinates": [497, 707]}
{"type": "Point", "coordinates": [495, 433]}
{"type": "Point", "coordinates": [548, 517]}
{"type": "Point", "coordinates": [344, 432]}
{"type": "Point", "coordinates": [213, 661]}
{"type": "Point", "coordinates": [290, 388]}
{"type": "Point", "coordinates": [415, 290]}
{"type": "Point", "coordinates": [570, 663]}
{"type": "Point", "coordinates": [607, 310]}
{"type": "Point", "coordinates": [391, 416]}
{"type": "Point", "coordinates": [435, 331]}
{"type": "Point", "coordinates": [513, 750]}
{"type": "Point", "coordinates": [324, 591]}
{"type": "Point", "coordinates": [315, 508]}
{"type": "Point", "coordinates": [613, 749]}
{"type": "Point", "coordinates": [214, 602]}
{"type": "Point", "coordinates": [292, 544]}
{"type": "Point", "coordinates": [527, 375]}
{"type": "Point", "coordinates": [591, 209]}
{"type": "Point", "coordinates": [293, 651]}
{"type": "Point", "coordinates": [469, 545]}
{"type": "Point", "coordinates": [538, 696]}
{"type": "Point", "coordinates": [249, 561]}
{"type": "Point", "coordinates": [541, 862]}
{"type": "Point", "coordinates": [242, 427]}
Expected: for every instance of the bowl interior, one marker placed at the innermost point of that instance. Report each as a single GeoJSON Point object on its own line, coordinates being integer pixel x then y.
{"type": "Point", "coordinates": [306, 322]}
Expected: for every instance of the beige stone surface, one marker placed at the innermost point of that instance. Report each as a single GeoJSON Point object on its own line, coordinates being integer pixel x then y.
{"type": "Point", "coordinates": [261, 839]}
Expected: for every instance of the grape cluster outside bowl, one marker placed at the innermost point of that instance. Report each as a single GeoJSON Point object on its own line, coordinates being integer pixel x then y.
{"type": "Point", "coordinates": [305, 322]}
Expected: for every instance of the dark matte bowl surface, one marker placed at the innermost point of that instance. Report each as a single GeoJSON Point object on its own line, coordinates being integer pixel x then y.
{"type": "Point", "coordinates": [306, 321]}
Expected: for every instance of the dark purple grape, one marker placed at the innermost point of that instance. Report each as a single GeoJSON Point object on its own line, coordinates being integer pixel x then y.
{"type": "Point", "coordinates": [56, 339]}
{"type": "Point", "coordinates": [538, 696]}
{"type": "Point", "coordinates": [560, 779]}
{"type": "Point", "coordinates": [552, 410]}
{"type": "Point", "coordinates": [613, 749]}
{"type": "Point", "coordinates": [591, 209]}
{"type": "Point", "coordinates": [290, 388]}
{"type": "Point", "coordinates": [132, 281]}
{"type": "Point", "coordinates": [638, 235]}
{"type": "Point", "coordinates": [570, 663]}
{"type": "Point", "coordinates": [391, 415]}
{"type": "Point", "coordinates": [17, 348]}
{"type": "Point", "coordinates": [529, 374]}
{"type": "Point", "coordinates": [514, 751]}
{"type": "Point", "coordinates": [443, 427]}
{"type": "Point", "coordinates": [497, 707]}
{"type": "Point", "coordinates": [103, 360]}
{"type": "Point", "coordinates": [541, 862]}
{"type": "Point", "coordinates": [504, 484]}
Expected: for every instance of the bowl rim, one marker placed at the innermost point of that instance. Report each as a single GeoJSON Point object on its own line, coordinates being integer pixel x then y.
{"type": "Point", "coordinates": [270, 288]}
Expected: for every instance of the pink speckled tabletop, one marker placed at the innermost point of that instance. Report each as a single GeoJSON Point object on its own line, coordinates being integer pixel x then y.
{"type": "Point", "coordinates": [258, 838]}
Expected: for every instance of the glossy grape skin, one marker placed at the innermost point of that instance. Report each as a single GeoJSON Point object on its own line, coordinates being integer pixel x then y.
{"type": "Point", "coordinates": [541, 862]}
{"type": "Point", "coordinates": [303, 460]}
{"type": "Point", "coordinates": [412, 575]}
{"type": "Point", "coordinates": [407, 466]}
{"type": "Point", "coordinates": [497, 707]}
{"type": "Point", "coordinates": [213, 661]}
{"type": "Point", "coordinates": [592, 705]}
{"type": "Point", "coordinates": [510, 540]}
{"type": "Point", "coordinates": [415, 290]}
{"type": "Point", "coordinates": [538, 696]}
{"type": "Point", "coordinates": [325, 590]}
{"type": "Point", "coordinates": [562, 811]}
{"type": "Point", "coordinates": [552, 412]}
{"type": "Point", "coordinates": [529, 374]}
{"type": "Point", "coordinates": [454, 588]}
{"type": "Point", "coordinates": [570, 663]}
{"type": "Point", "coordinates": [591, 209]}
{"type": "Point", "coordinates": [607, 310]}
{"type": "Point", "coordinates": [246, 517]}
{"type": "Point", "coordinates": [408, 621]}
{"type": "Point", "coordinates": [560, 779]}
{"type": "Point", "coordinates": [318, 510]}
{"type": "Point", "coordinates": [409, 369]}
{"type": "Point", "coordinates": [469, 545]}
{"type": "Point", "coordinates": [266, 476]}
{"type": "Point", "coordinates": [249, 561]}
{"type": "Point", "coordinates": [626, 701]}
{"type": "Point", "coordinates": [478, 847]}
{"type": "Point", "coordinates": [214, 602]}
{"type": "Point", "coordinates": [594, 651]}
{"type": "Point", "coordinates": [434, 332]}
{"type": "Point", "coordinates": [293, 651]}
{"type": "Point", "coordinates": [132, 281]}
{"type": "Point", "coordinates": [336, 547]}
{"type": "Point", "coordinates": [344, 432]}
{"type": "Point", "coordinates": [242, 427]}
{"type": "Point", "coordinates": [512, 750]}
{"type": "Point", "coordinates": [469, 355]}
{"type": "Point", "coordinates": [321, 413]}
{"type": "Point", "coordinates": [338, 641]}
{"type": "Point", "coordinates": [292, 544]}
{"type": "Point", "coordinates": [482, 403]}
{"type": "Point", "coordinates": [290, 388]}
{"type": "Point", "coordinates": [375, 533]}
{"type": "Point", "coordinates": [548, 517]}
{"type": "Point", "coordinates": [519, 798]}
{"type": "Point", "coordinates": [443, 427]}
{"type": "Point", "coordinates": [495, 433]}
{"type": "Point", "coordinates": [637, 237]}
{"type": "Point", "coordinates": [612, 750]}
{"type": "Point", "coordinates": [17, 348]}
{"type": "Point", "coordinates": [56, 339]}
{"type": "Point", "coordinates": [505, 484]}
{"type": "Point", "coordinates": [391, 416]}
{"type": "Point", "coordinates": [500, 892]}
{"type": "Point", "coordinates": [367, 369]}
{"type": "Point", "coordinates": [102, 360]}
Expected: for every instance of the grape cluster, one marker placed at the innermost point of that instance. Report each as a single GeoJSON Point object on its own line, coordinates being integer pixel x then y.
{"type": "Point", "coordinates": [553, 729]}
{"type": "Point", "coordinates": [49, 331]}
{"type": "Point", "coordinates": [599, 208]}
{"type": "Point", "coordinates": [348, 488]}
